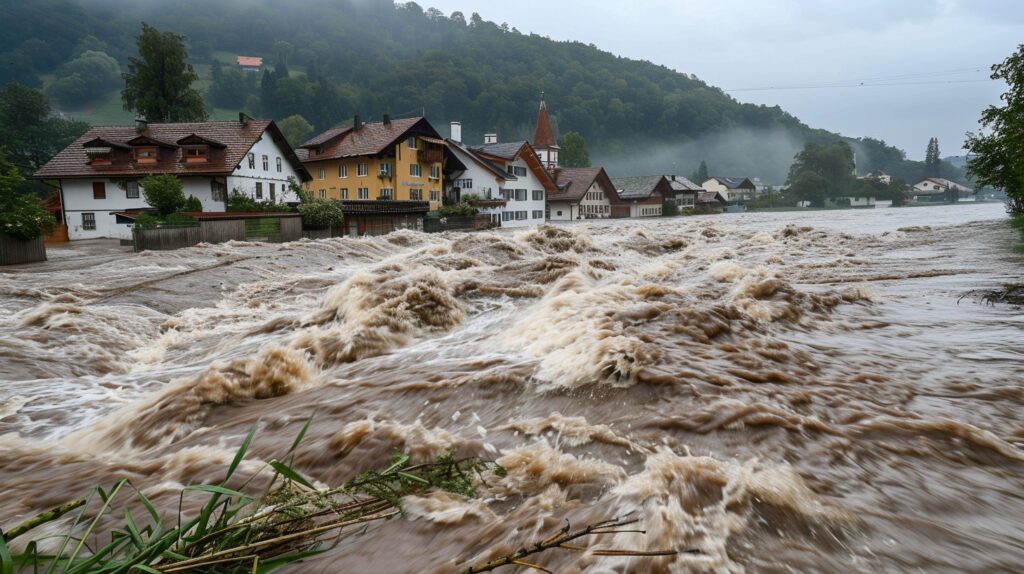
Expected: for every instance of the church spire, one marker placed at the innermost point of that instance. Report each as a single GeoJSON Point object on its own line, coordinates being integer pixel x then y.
{"type": "Point", "coordinates": [543, 136]}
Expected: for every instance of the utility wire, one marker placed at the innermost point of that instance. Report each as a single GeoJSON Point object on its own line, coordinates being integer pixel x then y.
{"type": "Point", "coordinates": [909, 79]}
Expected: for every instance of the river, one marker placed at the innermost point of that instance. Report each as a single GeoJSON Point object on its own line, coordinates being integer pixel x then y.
{"type": "Point", "coordinates": [775, 392]}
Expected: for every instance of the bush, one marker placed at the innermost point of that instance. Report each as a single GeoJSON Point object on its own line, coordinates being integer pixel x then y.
{"type": "Point", "coordinates": [146, 221]}
{"type": "Point", "coordinates": [670, 209]}
{"type": "Point", "coordinates": [193, 204]}
{"type": "Point", "coordinates": [21, 215]}
{"type": "Point", "coordinates": [461, 209]}
{"type": "Point", "coordinates": [163, 192]}
{"type": "Point", "coordinates": [238, 201]}
{"type": "Point", "coordinates": [321, 214]}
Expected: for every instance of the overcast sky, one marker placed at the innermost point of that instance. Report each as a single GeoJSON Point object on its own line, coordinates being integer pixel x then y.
{"type": "Point", "coordinates": [937, 51]}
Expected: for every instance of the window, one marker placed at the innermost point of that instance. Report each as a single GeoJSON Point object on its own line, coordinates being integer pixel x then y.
{"type": "Point", "coordinates": [516, 170]}
{"type": "Point", "coordinates": [252, 161]}
{"type": "Point", "coordinates": [344, 193]}
{"type": "Point", "coordinates": [559, 213]}
{"type": "Point", "coordinates": [89, 221]}
{"type": "Point", "coordinates": [538, 214]}
{"type": "Point", "coordinates": [435, 172]}
{"type": "Point", "coordinates": [538, 195]}
{"type": "Point", "coordinates": [520, 195]}
{"type": "Point", "coordinates": [433, 195]}
{"type": "Point", "coordinates": [385, 169]}
{"type": "Point", "coordinates": [414, 169]}
{"type": "Point", "coordinates": [131, 190]}
{"type": "Point", "coordinates": [506, 216]}
{"type": "Point", "coordinates": [323, 194]}
{"type": "Point", "coordinates": [411, 142]}
{"type": "Point", "coordinates": [99, 190]}
{"type": "Point", "coordinates": [279, 165]}
{"type": "Point", "coordinates": [464, 183]}
{"type": "Point", "coordinates": [146, 154]}
{"type": "Point", "coordinates": [196, 154]}
{"type": "Point", "coordinates": [508, 194]}
{"type": "Point", "coordinates": [520, 215]}
{"type": "Point", "coordinates": [362, 169]}
{"type": "Point", "coordinates": [364, 193]}
{"type": "Point", "coordinates": [323, 173]}
{"type": "Point", "coordinates": [387, 193]}
{"type": "Point", "coordinates": [259, 190]}
{"type": "Point", "coordinates": [416, 194]}
{"type": "Point", "coordinates": [273, 192]}
{"type": "Point", "coordinates": [266, 163]}
{"type": "Point", "coordinates": [218, 190]}
{"type": "Point", "coordinates": [342, 171]}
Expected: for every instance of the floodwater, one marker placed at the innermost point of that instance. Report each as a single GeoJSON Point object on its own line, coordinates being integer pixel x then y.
{"type": "Point", "coordinates": [785, 392]}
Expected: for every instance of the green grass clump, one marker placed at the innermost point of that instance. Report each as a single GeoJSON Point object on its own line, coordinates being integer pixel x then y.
{"type": "Point", "coordinates": [235, 531]}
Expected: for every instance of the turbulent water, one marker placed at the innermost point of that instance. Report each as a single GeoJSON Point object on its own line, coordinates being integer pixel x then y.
{"type": "Point", "coordinates": [771, 392]}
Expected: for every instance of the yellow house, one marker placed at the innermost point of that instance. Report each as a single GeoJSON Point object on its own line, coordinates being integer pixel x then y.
{"type": "Point", "coordinates": [389, 160]}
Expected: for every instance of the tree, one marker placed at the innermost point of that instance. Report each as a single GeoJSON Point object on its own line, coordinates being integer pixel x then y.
{"type": "Point", "coordinates": [321, 214]}
{"type": "Point", "coordinates": [809, 186]}
{"type": "Point", "coordinates": [933, 159]}
{"type": "Point", "coordinates": [90, 75]}
{"type": "Point", "coordinates": [998, 148]}
{"type": "Point", "coordinates": [21, 216]}
{"type": "Point", "coordinates": [27, 131]}
{"type": "Point", "coordinates": [163, 193]}
{"type": "Point", "coordinates": [832, 164]}
{"type": "Point", "coordinates": [295, 129]}
{"type": "Point", "coordinates": [701, 175]}
{"type": "Point", "coordinates": [158, 84]}
{"type": "Point", "coordinates": [573, 151]}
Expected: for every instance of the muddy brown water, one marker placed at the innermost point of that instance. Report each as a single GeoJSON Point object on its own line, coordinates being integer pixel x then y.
{"type": "Point", "coordinates": [774, 392]}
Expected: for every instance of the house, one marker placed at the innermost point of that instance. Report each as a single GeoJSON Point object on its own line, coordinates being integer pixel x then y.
{"type": "Point", "coordinates": [509, 180]}
{"type": "Point", "coordinates": [937, 189]}
{"type": "Point", "coordinates": [644, 195]}
{"type": "Point", "coordinates": [390, 160]}
{"type": "Point", "coordinates": [684, 192]}
{"type": "Point", "coordinates": [851, 201]}
{"type": "Point", "coordinates": [584, 193]}
{"type": "Point", "coordinates": [733, 189]}
{"type": "Point", "coordinates": [879, 176]}
{"type": "Point", "coordinates": [99, 173]}
{"type": "Point", "coordinates": [250, 63]}
{"type": "Point", "coordinates": [710, 202]}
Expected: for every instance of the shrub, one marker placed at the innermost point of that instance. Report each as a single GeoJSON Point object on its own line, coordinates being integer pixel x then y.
{"type": "Point", "coordinates": [321, 214]}
{"type": "Point", "coordinates": [21, 215]}
{"type": "Point", "coordinates": [238, 201]}
{"type": "Point", "coordinates": [670, 209]}
{"type": "Point", "coordinates": [462, 209]}
{"type": "Point", "coordinates": [146, 221]}
{"type": "Point", "coordinates": [193, 204]}
{"type": "Point", "coordinates": [163, 192]}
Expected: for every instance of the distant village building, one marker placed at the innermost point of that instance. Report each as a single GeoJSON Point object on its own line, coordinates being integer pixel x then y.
{"type": "Point", "coordinates": [645, 195]}
{"type": "Point", "coordinates": [733, 189]}
{"type": "Point", "coordinates": [100, 172]}
{"type": "Point", "coordinates": [878, 176]}
{"type": "Point", "coordinates": [398, 160]}
{"type": "Point", "coordinates": [710, 202]}
{"type": "Point", "coordinates": [509, 179]}
{"type": "Point", "coordinates": [684, 192]}
{"type": "Point", "coordinates": [937, 189]}
{"type": "Point", "coordinates": [584, 193]}
{"type": "Point", "coordinates": [250, 63]}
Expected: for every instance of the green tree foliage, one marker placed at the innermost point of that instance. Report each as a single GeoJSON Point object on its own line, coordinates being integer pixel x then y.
{"type": "Point", "coordinates": [933, 159]}
{"type": "Point", "coordinates": [701, 175]}
{"type": "Point", "coordinates": [27, 132]}
{"type": "Point", "coordinates": [87, 77]}
{"type": "Point", "coordinates": [296, 129]}
{"type": "Point", "coordinates": [809, 186]}
{"type": "Point", "coordinates": [21, 215]}
{"type": "Point", "coordinates": [158, 84]}
{"type": "Point", "coordinates": [163, 193]}
{"type": "Point", "coordinates": [998, 149]}
{"type": "Point", "coordinates": [573, 151]}
{"type": "Point", "coordinates": [321, 214]}
{"type": "Point", "coordinates": [193, 204]}
{"type": "Point", "coordinates": [229, 88]}
{"type": "Point", "coordinates": [832, 168]}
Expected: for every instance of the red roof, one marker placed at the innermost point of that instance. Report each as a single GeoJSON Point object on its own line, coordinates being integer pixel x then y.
{"type": "Point", "coordinates": [369, 139]}
{"type": "Point", "coordinates": [544, 136]}
{"type": "Point", "coordinates": [250, 61]}
{"type": "Point", "coordinates": [231, 141]}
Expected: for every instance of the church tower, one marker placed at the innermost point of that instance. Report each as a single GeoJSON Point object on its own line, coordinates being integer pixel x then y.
{"type": "Point", "coordinates": [544, 139]}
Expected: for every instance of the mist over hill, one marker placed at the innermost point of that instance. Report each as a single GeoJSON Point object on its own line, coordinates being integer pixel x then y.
{"type": "Point", "coordinates": [332, 59]}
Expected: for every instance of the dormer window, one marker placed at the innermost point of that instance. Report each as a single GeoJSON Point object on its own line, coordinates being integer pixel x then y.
{"type": "Point", "coordinates": [146, 154]}
{"type": "Point", "coordinates": [99, 155]}
{"type": "Point", "coordinates": [197, 154]}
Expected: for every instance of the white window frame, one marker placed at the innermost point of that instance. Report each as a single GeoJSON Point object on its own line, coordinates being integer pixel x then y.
{"type": "Point", "coordinates": [362, 170]}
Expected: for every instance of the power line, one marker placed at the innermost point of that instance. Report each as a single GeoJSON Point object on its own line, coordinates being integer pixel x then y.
{"type": "Point", "coordinates": [909, 79]}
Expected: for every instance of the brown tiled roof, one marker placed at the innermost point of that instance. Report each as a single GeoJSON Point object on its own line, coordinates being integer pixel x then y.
{"type": "Point", "coordinates": [710, 197]}
{"type": "Point", "coordinates": [543, 136]}
{"type": "Point", "coordinates": [640, 187]}
{"type": "Point", "coordinates": [236, 137]}
{"type": "Point", "coordinates": [680, 183]}
{"type": "Point", "coordinates": [573, 183]}
{"type": "Point", "coordinates": [503, 150]}
{"type": "Point", "coordinates": [369, 139]}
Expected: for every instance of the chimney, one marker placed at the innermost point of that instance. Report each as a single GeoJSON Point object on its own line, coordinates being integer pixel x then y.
{"type": "Point", "coordinates": [491, 138]}
{"type": "Point", "coordinates": [243, 118]}
{"type": "Point", "coordinates": [673, 177]}
{"type": "Point", "coordinates": [387, 119]}
{"type": "Point", "coordinates": [141, 124]}
{"type": "Point", "coordinates": [356, 122]}
{"type": "Point", "coordinates": [457, 132]}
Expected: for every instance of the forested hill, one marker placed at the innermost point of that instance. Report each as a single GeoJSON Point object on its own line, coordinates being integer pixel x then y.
{"type": "Point", "coordinates": [335, 58]}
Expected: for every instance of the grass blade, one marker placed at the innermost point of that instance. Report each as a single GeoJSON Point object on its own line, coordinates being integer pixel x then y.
{"type": "Point", "coordinates": [287, 472]}
{"type": "Point", "coordinates": [241, 452]}
{"type": "Point", "coordinates": [6, 564]}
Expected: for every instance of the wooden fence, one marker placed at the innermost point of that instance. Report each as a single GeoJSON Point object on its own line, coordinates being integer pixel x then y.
{"type": "Point", "coordinates": [457, 223]}
{"type": "Point", "coordinates": [270, 229]}
{"type": "Point", "coordinates": [14, 250]}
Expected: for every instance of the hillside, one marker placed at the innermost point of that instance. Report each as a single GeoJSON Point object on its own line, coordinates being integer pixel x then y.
{"type": "Point", "coordinates": [336, 58]}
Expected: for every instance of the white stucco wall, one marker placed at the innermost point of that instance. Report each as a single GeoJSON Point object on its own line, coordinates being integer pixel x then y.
{"type": "Point", "coordinates": [534, 208]}
{"type": "Point", "coordinates": [599, 208]}
{"type": "Point", "coordinates": [563, 211]}
{"type": "Point", "coordinates": [244, 179]}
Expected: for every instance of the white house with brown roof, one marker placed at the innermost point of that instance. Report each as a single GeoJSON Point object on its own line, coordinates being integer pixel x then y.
{"type": "Point", "coordinates": [936, 189]}
{"type": "Point", "coordinates": [584, 193]}
{"type": "Point", "coordinates": [99, 173]}
{"type": "Point", "coordinates": [733, 189]}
